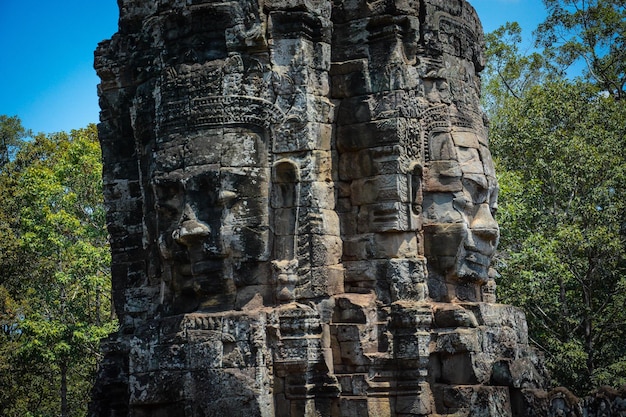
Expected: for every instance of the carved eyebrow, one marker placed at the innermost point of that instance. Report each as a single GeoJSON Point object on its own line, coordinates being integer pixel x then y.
{"type": "Point", "coordinates": [226, 196]}
{"type": "Point", "coordinates": [477, 180]}
{"type": "Point", "coordinates": [165, 182]}
{"type": "Point", "coordinates": [176, 176]}
{"type": "Point", "coordinates": [165, 188]}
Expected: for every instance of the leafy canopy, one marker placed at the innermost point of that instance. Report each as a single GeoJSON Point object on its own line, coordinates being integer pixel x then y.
{"type": "Point", "coordinates": [558, 145]}
{"type": "Point", "coordinates": [55, 280]}
{"type": "Point", "coordinates": [591, 31]}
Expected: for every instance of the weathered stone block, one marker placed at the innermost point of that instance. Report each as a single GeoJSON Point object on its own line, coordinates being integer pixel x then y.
{"type": "Point", "coordinates": [453, 315]}
{"type": "Point", "coordinates": [156, 387]}
{"type": "Point", "coordinates": [301, 108]}
{"type": "Point", "coordinates": [371, 134]}
{"type": "Point", "coordinates": [412, 349]}
{"type": "Point", "coordinates": [295, 52]}
{"type": "Point", "coordinates": [407, 279]}
{"type": "Point", "coordinates": [285, 221]}
{"type": "Point", "coordinates": [325, 250]}
{"type": "Point", "coordinates": [485, 156]}
{"type": "Point", "coordinates": [408, 316]}
{"type": "Point", "coordinates": [380, 188]}
{"type": "Point", "coordinates": [354, 308]}
{"type": "Point", "coordinates": [295, 136]}
{"type": "Point", "coordinates": [353, 406]}
{"type": "Point", "coordinates": [348, 216]}
{"type": "Point", "coordinates": [295, 355]}
{"type": "Point", "coordinates": [465, 139]}
{"type": "Point", "coordinates": [379, 407]}
{"type": "Point", "coordinates": [140, 300]}
{"type": "Point", "coordinates": [519, 373]}
{"type": "Point", "coordinates": [253, 297]}
{"type": "Point", "coordinates": [472, 400]}
{"type": "Point", "coordinates": [352, 353]}
{"type": "Point", "coordinates": [470, 162]}
{"type": "Point", "coordinates": [465, 42]}
{"type": "Point", "coordinates": [418, 403]}
{"type": "Point", "coordinates": [381, 246]}
{"type": "Point", "coordinates": [318, 194]}
{"type": "Point", "coordinates": [401, 77]}
{"type": "Point", "coordinates": [315, 7]}
{"type": "Point", "coordinates": [370, 162]}
{"type": "Point", "coordinates": [443, 176]}
{"type": "Point", "coordinates": [354, 40]}
{"type": "Point", "coordinates": [362, 274]}
{"type": "Point", "coordinates": [384, 217]}
{"type": "Point", "coordinates": [458, 369]}
{"type": "Point", "coordinates": [322, 282]}
{"type": "Point", "coordinates": [457, 341]}
{"type": "Point", "coordinates": [206, 354]}
{"type": "Point", "coordinates": [350, 78]}
{"type": "Point", "coordinates": [379, 106]}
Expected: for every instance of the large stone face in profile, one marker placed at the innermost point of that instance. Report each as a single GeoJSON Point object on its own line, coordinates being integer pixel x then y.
{"type": "Point", "coordinates": [300, 200]}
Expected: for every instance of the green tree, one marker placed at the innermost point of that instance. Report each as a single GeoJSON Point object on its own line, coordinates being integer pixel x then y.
{"type": "Point", "coordinates": [559, 150]}
{"type": "Point", "coordinates": [509, 72]}
{"type": "Point", "coordinates": [592, 31]}
{"type": "Point", "coordinates": [55, 306]}
{"type": "Point", "coordinates": [12, 267]}
{"type": "Point", "coordinates": [558, 146]}
{"type": "Point", "coordinates": [11, 135]}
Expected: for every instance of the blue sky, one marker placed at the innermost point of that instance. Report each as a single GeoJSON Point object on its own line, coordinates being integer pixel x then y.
{"type": "Point", "coordinates": [46, 59]}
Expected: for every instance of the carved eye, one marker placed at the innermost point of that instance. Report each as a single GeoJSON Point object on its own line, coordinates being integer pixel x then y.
{"type": "Point", "coordinates": [168, 197]}
{"type": "Point", "coordinates": [463, 204]}
{"type": "Point", "coordinates": [494, 210]}
{"type": "Point", "coordinates": [167, 190]}
{"type": "Point", "coordinates": [226, 196]}
{"type": "Point", "coordinates": [165, 208]}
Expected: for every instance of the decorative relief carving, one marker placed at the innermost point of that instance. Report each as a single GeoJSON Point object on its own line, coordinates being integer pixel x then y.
{"type": "Point", "coordinates": [195, 97]}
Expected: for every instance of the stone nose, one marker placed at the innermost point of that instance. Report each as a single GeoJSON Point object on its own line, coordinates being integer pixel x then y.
{"type": "Point", "coordinates": [190, 230]}
{"type": "Point", "coordinates": [484, 225]}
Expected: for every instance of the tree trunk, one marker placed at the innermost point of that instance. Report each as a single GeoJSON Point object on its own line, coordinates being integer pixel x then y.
{"type": "Point", "coordinates": [64, 411]}
{"type": "Point", "coordinates": [565, 331]}
{"type": "Point", "coordinates": [98, 306]}
{"type": "Point", "coordinates": [588, 330]}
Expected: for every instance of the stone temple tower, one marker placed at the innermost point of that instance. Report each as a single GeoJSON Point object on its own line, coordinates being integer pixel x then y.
{"type": "Point", "coordinates": [301, 206]}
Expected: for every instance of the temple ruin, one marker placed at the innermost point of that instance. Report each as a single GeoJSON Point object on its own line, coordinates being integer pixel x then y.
{"type": "Point", "coordinates": [301, 206]}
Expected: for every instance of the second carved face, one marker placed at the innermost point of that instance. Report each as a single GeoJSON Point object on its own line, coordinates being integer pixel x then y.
{"type": "Point", "coordinates": [460, 231]}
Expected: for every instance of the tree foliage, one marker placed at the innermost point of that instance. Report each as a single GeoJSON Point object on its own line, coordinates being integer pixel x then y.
{"type": "Point", "coordinates": [559, 148]}
{"type": "Point", "coordinates": [11, 135]}
{"type": "Point", "coordinates": [55, 282]}
{"type": "Point", "coordinates": [509, 71]}
{"type": "Point", "coordinates": [563, 203]}
{"type": "Point", "coordinates": [593, 31]}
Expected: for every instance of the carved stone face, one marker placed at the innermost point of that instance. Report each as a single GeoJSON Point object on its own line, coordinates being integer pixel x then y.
{"type": "Point", "coordinates": [211, 200]}
{"type": "Point", "coordinates": [460, 231]}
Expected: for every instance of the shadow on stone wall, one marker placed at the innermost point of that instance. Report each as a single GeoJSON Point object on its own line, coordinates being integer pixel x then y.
{"type": "Point", "coordinates": [604, 402]}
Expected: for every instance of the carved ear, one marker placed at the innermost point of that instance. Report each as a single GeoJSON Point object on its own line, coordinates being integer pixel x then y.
{"type": "Point", "coordinates": [416, 175]}
{"type": "Point", "coordinates": [284, 201]}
